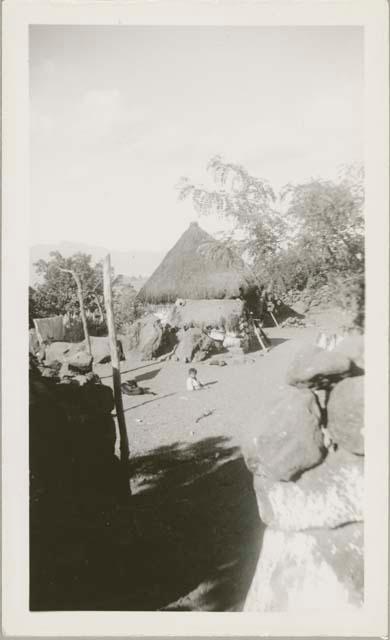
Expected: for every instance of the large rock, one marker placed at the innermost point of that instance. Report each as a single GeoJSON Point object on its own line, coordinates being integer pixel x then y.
{"type": "Point", "coordinates": [353, 347]}
{"type": "Point", "coordinates": [61, 351]}
{"type": "Point", "coordinates": [76, 483]}
{"type": "Point", "coordinates": [67, 351]}
{"type": "Point", "coordinates": [289, 438]}
{"type": "Point", "coordinates": [301, 307]}
{"type": "Point", "coordinates": [330, 495]}
{"type": "Point", "coordinates": [315, 367]}
{"type": "Point", "coordinates": [319, 570]}
{"type": "Point", "coordinates": [346, 414]}
{"type": "Point", "coordinates": [145, 337]}
{"type": "Point", "coordinates": [81, 362]}
{"type": "Point", "coordinates": [194, 345]}
{"type": "Point", "coordinates": [100, 348]}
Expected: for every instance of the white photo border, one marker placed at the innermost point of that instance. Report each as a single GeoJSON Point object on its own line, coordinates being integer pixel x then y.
{"type": "Point", "coordinates": [372, 15]}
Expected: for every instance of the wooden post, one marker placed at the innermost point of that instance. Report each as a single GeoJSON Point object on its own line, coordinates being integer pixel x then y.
{"type": "Point", "coordinates": [258, 336]}
{"type": "Point", "coordinates": [274, 319]}
{"type": "Point", "coordinates": [116, 372]}
{"type": "Point", "coordinates": [81, 304]}
{"type": "Point", "coordinates": [258, 333]}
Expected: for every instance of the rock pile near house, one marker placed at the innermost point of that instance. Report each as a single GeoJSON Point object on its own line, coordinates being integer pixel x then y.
{"type": "Point", "coordinates": [72, 431]}
{"type": "Point", "coordinates": [76, 481]}
{"type": "Point", "coordinates": [75, 354]}
{"type": "Point", "coordinates": [307, 457]}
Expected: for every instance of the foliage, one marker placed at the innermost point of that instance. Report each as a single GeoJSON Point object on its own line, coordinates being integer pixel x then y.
{"type": "Point", "coordinates": [313, 238]}
{"type": "Point", "coordinates": [247, 201]}
{"type": "Point", "coordinates": [57, 294]}
{"type": "Point", "coordinates": [328, 226]}
{"type": "Point", "coordinates": [127, 309]}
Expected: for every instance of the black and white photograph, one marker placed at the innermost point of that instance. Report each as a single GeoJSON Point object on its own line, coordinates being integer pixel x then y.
{"type": "Point", "coordinates": [197, 313]}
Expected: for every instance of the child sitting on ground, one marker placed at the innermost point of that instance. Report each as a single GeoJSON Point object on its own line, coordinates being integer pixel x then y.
{"type": "Point", "coordinates": [193, 383]}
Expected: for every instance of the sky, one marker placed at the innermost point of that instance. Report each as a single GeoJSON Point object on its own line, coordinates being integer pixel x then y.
{"type": "Point", "coordinates": [119, 114]}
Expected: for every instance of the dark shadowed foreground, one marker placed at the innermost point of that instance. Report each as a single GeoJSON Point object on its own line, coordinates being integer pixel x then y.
{"type": "Point", "coordinates": [188, 538]}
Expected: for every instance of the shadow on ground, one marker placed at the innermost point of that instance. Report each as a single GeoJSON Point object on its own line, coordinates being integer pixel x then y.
{"type": "Point", "coordinates": [187, 539]}
{"type": "Point", "coordinates": [149, 375]}
{"type": "Point", "coordinates": [275, 342]}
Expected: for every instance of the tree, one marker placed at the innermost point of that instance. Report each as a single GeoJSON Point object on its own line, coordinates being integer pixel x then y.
{"type": "Point", "coordinates": [125, 305]}
{"type": "Point", "coordinates": [80, 300]}
{"type": "Point", "coordinates": [315, 238]}
{"type": "Point", "coordinates": [319, 232]}
{"type": "Point", "coordinates": [248, 202]}
{"type": "Point", "coordinates": [329, 225]}
{"type": "Point", "coordinates": [57, 294]}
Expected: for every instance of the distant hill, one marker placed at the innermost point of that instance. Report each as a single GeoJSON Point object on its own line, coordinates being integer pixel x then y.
{"type": "Point", "coordinates": [137, 265]}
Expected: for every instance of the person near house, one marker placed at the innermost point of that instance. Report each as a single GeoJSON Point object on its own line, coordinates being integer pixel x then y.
{"type": "Point", "coordinates": [193, 383]}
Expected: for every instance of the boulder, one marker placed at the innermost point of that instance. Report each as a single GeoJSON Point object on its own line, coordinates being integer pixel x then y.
{"type": "Point", "coordinates": [320, 570]}
{"type": "Point", "coordinates": [315, 367]}
{"type": "Point", "coordinates": [67, 351]}
{"type": "Point", "coordinates": [194, 345]}
{"type": "Point", "coordinates": [65, 372]}
{"type": "Point", "coordinates": [81, 362]}
{"type": "Point", "coordinates": [300, 307]}
{"type": "Point", "coordinates": [346, 414]}
{"type": "Point", "coordinates": [100, 348]}
{"type": "Point", "coordinates": [353, 347]}
{"type": "Point", "coordinates": [49, 372]}
{"type": "Point", "coordinates": [145, 337]}
{"type": "Point", "coordinates": [288, 437]}
{"type": "Point", "coordinates": [60, 351]}
{"type": "Point", "coordinates": [231, 341]}
{"type": "Point", "coordinates": [329, 495]}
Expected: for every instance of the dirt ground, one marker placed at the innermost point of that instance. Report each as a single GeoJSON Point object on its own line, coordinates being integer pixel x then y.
{"type": "Point", "coordinates": [167, 413]}
{"type": "Point", "coordinates": [191, 535]}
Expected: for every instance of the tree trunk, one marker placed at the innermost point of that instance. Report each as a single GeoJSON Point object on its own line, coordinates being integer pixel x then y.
{"type": "Point", "coordinates": [99, 306]}
{"type": "Point", "coordinates": [82, 310]}
{"type": "Point", "coordinates": [116, 375]}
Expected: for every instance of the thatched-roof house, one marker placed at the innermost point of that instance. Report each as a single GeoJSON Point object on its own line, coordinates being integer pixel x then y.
{"type": "Point", "coordinates": [197, 268]}
{"type": "Point", "coordinates": [201, 286]}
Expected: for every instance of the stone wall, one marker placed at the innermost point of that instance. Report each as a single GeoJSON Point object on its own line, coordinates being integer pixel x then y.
{"type": "Point", "coordinates": [75, 479]}
{"type": "Point", "coordinates": [307, 458]}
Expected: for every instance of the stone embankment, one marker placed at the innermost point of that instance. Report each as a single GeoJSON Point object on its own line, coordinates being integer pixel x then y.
{"type": "Point", "coordinates": [307, 457]}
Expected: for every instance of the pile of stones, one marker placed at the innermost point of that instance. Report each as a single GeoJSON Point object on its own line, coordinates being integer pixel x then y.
{"type": "Point", "coordinates": [307, 458]}
{"type": "Point", "coordinates": [293, 321]}
{"type": "Point", "coordinates": [76, 481]}
{"type": "Point", "coordinates": [77, 369]}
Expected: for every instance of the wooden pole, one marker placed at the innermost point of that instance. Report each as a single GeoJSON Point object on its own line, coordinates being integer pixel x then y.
{"type": "Point", "coordinates": [116, 372]}
{"type": "Point", "coordinates": [274, 319]}
{"type": "Point", "coordinates": [81, 304]}
{"type": "Point", "coordinates": [258, 336]}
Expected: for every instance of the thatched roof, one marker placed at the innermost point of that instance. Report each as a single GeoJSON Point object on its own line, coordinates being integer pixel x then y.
{"type": "Point", "coordinates": [197, 268]}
